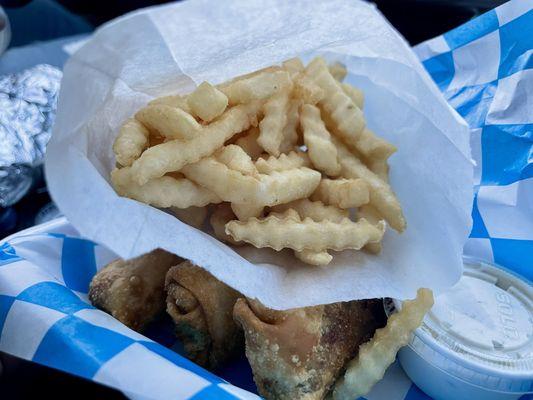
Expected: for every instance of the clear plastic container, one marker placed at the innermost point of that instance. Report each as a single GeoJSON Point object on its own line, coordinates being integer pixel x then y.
{"type": "Point", "coordinates": [477, 341]}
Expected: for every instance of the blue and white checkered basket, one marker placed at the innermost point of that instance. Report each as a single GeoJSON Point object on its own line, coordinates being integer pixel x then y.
{"type": "Point", "coordinates": [484, 69]}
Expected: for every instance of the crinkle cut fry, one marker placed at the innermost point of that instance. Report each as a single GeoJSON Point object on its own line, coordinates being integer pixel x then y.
{"type": "Point", "coordinates": [355, 94]}
{"type": "Point", "coordinates": [322, 151]}
{"type": "Point", "coordinates": [248, 142]}
{"type": "Point", "coordinates": [284, 162]}
{"type": "Point", "coordinates": [279, 233]}
{"type": "Point", "coordinates": [376, 355]}
{"type": "Point", "coordinates": [374, 147]}
{"type": "Point", "coordinates": [348, 118]}
{"type": "Point", "coordinates": [338, 71]}
{"type": "Point", "coordinates": [207, 102]}
{"type": "Point", "coordinates": [380, 168]}
{"type": "Point", "coordinates": [290, 131]}
{"type": "Point", "coordinates": [293, 66]}
{"type": "Point", "coordinates": [343, 193]}
{"type": "Point", "coordinates": [169, 122]}
{"type": "Point", "coordinates": [132, 139]}
{"type": "Point", "coordinates": [173, 101]}
{"type": "Point", "coordinates": [235, 158]}
{"type": "Point", "coordinates": [174, 154]}
{"type": "Point", "coordinates": [381, 194]}
{"type": "Point", "coordinates": [318, 258]}
{"type": "Point", "coordinates": [262, 71]}
{"type": "Point", "coordinates": [257, 86]}
{"type": "Point", "coordinates": [273, 123]}
{"type": "Point", "coordinates": [163, 192]}
{"type": "Point", "coordinates": [371, 215]}
{"type": "Point", "coordinates": [306, 89]}
{"type": "Point", "coordinates": [268, 190]}
{"type": "Point", "coordinates": [246, 211]}
{"type": "Point", "coordinates": [316, 210]}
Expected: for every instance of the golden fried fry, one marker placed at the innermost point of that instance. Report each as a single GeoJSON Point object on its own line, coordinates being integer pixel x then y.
{"type": "Point", "coordinates": [176, 101]}
{"type": "Point", "coordinates": [267, 190]}
{"type": "Point", "coordinates": [207, 102]}
{"type": "Point", "coordinates": [322, 151]}
{"type": "Point", "coordinates": [279, 233]}
{"type": "Point", "coordinates": [375, 356]}
{"type": "Point", "coordinates": [290, 131]}
{"type": "Point", "coordinates": [262, 71]}
{"type": "Point", "coordinates": [169, 122]}
{"type": "Point", "coordinates": [235, 158]}
{"type": "Point", "coordinates": [220, 217]}
{"type": "Point", "coordinates": [275, 119]}
{"type": "Point", "coordinates": [355, 94]}
{"type": "Point", "coordinates": [338, 71]}
{"type": "Point", "coordinates": [132, 290]}
{"type": "Point", "coordinates": [348, 118]}
{"type": "Point", "coordinates": [316, 210]}
{"type": "Point", "coordinates": [249, 144]}
{"type": "Point", "coordinates": [343, 193]}
{"type": "Point", "coordinates": [307, 90]}
{"type": "Point", "coordinates": [256, 87]}
{"type": "Point", "coordinates": [132, 139]}
{"type": "Point", "coordinates": [193, 216]}
{"type": "Point", "coordinates": [246, 211]}
{"type": "Point", "coordinates": [381, 195]}
{"type": "Point", "coordinates": [162, 192]}
{"type": "Point", "coordinates": [293, 66]}
{"type": "Point", "coordinates": [295, 159]}
{"type": "Point", "coordinates": [173, 155]}
{"type": "Point", "coordinates": [371, 215]}
{"type": "Point", "coordinates": [373, 147]}
{"type": "Point", "coordinates": [380, 168]}
{"type": "Point", "coordinates": [268, 141]}
{"type": "Point", "coordinates": [311, 257]}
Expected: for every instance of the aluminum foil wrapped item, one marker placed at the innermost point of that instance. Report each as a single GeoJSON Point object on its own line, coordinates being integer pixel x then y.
{"type": "Point", "coordinates": [28, 102]}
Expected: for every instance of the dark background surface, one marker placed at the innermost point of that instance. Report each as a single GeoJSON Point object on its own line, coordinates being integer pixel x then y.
{"type": "Point", "coordinates": [42, 20]}
{"type": "Point", "coordinates": [417, 20]}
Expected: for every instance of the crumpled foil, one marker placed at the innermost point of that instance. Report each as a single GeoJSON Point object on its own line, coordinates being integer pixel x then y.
{"type": "Point", "coordinates": [28, 101]}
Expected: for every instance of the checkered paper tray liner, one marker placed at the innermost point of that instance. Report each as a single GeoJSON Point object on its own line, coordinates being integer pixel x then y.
{"type": "Point", "coordinates": [483, 68]}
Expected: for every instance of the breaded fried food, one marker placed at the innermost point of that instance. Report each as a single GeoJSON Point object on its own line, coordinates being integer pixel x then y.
{"type": "Point", "coordinates": [132, 290]}
{"type": "Point", "coordinates": [201, 307]}
{"type": "Point", "coordinates": [298, 354]}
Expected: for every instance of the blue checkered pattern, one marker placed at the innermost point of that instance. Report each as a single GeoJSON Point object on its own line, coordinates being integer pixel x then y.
{"type": "Point", "coordinates": [485, 71]}
{"type": "Point", "coordinates": [45, 317]}
{"type": "Point", "coordinates": [483, 68]}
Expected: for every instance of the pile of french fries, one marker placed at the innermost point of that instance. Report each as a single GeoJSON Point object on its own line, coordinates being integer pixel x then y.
{"type": "Point", "coordinates": [283, 154]}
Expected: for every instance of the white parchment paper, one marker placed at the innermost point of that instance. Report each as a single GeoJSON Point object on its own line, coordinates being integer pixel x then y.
{"type": "Point", "coordinates": [169, 49]}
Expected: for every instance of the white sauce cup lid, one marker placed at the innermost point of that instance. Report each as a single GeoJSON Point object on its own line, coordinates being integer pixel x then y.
{"type": "Point", "coordinates": [481, 330]}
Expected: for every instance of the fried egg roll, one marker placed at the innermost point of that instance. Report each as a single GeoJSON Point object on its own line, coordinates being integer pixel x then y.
{"type": "Point", "coordinates": [201, 307]}
{"type": "Point", "coordinates": [132, 291]}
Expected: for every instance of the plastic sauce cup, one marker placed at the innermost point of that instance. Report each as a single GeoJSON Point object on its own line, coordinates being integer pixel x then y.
{"type": "Point", "coordinates": [477, 340]}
